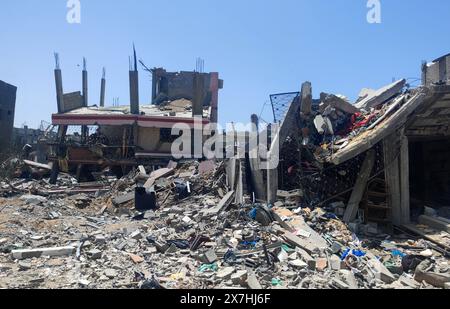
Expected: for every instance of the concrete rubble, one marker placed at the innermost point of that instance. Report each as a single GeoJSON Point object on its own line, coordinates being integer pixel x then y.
{"type": "Point", "coordinates": [202, 240]}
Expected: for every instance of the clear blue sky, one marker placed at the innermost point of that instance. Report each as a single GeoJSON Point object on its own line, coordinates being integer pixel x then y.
{"type": "Point", "coordinates": [258, 46]}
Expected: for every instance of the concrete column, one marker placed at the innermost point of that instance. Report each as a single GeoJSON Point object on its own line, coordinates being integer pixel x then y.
{"type": "Point", "coordinates": [256, 172]}
{"type": "Point", "coordinates": [59, 91]}
{"type": "Point", "coordinates": [197, 102]}
{"type": "Point", "coordinates": [154, 85]}
{"type": "Point", "coordinates": [392, 174]}
{"type": "Point", "coordinates": [84, 129]}
{"type": "Point", "coordinates": [103, 89]}
{"type": "Point", "coordinates": [404, 182]}
{"type": "Point", "coordinates": [134, 92]}
{"type": "Point", "coordinates": [214, 88]}
{"type": "Point", "coordinates": [134, 86]}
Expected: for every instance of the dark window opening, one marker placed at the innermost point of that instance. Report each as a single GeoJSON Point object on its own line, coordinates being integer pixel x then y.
{"type": "Point", "coordinates": [430, 177]}
{"type": "Point", "coordinates": [166, 136]}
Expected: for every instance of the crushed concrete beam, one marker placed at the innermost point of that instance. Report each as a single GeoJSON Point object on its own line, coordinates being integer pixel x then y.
{"type": "Point", "coordinates": [337, 103]}
{"type": "Point", "coordinates": [123, 198]}
{"type": "Point", "coordinates": [224, 203]}
{"type": "Point", "coordinates": [36, 253]}
{"type": "Point", "coordinates": [437, 223]}
{"type": "Point", "coordinates": [380, 271]}
{"type": "Point", "coordinates": [381, 95]}
{"type": "Point", "coordinates": [435, 279]}
{"type": "Point", "coordinates": [368, 139]}
{"type": "Point", "coordinates": [306, 96]}
{"type": "Point", "coordinates": [154, 176]}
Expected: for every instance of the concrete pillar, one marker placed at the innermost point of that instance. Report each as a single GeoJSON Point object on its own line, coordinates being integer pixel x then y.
{"type": "Point", "coordinates": [392, 174]}
{"type": "Point", "coordinates": [134, 92]}
{"type": "Point", "coordinates": [214, 88]}
{"type": "Point", "coordinates": [134, 86]}
{"type": "Point", "coordinates": [84, 129]}
{"type": "Point", "coordinates": [197, 102]}
{"type": "Point", "coordinates": [59, 90]}
{"type": "Point", "coordinates": [154, 85]}
{"type": "Point", "coordinates": [103, 89]}
{"type": "Point", "coordinates": [85, 84]}
{"type": "Point", "coordinates": [404, 181]}
{"type": "Point", "coordinates": [306, 97]}
{"type": "Point", "coordinates": [256, 172]}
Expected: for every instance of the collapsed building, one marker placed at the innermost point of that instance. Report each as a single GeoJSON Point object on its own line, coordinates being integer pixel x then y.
{"type": "Point", "coordinates": [380, 163]}
{"type": "Point", "coordinates": [126, 136]}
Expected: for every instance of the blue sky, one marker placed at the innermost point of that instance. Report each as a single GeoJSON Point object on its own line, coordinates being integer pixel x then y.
{"type": "Point", "coordinates": [258, 46]}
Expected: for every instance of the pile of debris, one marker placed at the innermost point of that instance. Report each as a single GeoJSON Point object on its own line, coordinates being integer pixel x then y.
{"type": "Point", "coordinates": [332, 122]}
{"type": "Point", "coordinates": [182, 227]}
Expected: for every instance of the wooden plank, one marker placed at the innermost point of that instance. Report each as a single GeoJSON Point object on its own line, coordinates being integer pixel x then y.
{"type": "Point", "coordinates": [360, 187]}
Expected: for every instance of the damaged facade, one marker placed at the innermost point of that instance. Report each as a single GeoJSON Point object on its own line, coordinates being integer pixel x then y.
{"type": "Point", "coordinates": [127, 136]}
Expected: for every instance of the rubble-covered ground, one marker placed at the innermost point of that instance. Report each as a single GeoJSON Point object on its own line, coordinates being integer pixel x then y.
{"type": "Point", "coordinates": [198, 238]}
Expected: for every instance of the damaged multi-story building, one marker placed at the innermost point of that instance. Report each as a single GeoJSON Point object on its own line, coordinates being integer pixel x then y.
{"type": "Point", "coordinates": [381, 163]}
{"type": "Point", "coordinates": [121, 137]}
{"type": "Point", "coordinates": [7, 109]}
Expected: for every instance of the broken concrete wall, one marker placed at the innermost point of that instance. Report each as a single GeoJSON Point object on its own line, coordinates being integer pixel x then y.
{"type": "Point", "coordinates": [437, 72]}
{"type": "Point", "coordinates": [170, 86]}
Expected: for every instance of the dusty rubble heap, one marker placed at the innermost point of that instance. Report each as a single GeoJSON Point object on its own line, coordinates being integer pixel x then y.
{"type": "Point", "coordinates": [91, 235]}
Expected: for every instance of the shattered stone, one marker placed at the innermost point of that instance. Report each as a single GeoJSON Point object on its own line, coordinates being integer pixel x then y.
{"type": "Point", "coordinates": [253, 282]}
{"type": "Point", "coordinates": [84, 283]}
{"type": "Point", "coordinates": [136, 258]}
{"type": "Point", "coordinates": [336, 263]}
{"type": "Point", "coordinates": [110, 273]}
{"type": "Point", "coordinates": [33, 199]}
{"type": "Point", "coordinates": [136, 235]}
{"type": "Point", "coordinates": [209, 257]}
{"type": "Point", "coordinates": [172, 249]}
{"type": "Point", "coordinates": [298, 264]}
{"type": "Point", "coordinates": [95, 254]}
{"type": "Point", "coordinates": [240, 277]}
{"type": "Point", "coordinates": [225, 273]}
{"type": "Point", "coordinates": [321, 264]}
{"type": "Point", "coordinates": [100, 240]}
{"type": "Point", "coordinates": [23, 266]}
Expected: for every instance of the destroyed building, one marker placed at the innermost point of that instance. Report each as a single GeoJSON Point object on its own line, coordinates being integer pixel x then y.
{"type": "Point", "coordinates": [339, 212]}
{"type": "Point", "coordinates": [126, 136]}
{"type": "Point", "coordinates": [7, 110]}
{"type": "Point", "coordinates": [382, 162]}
